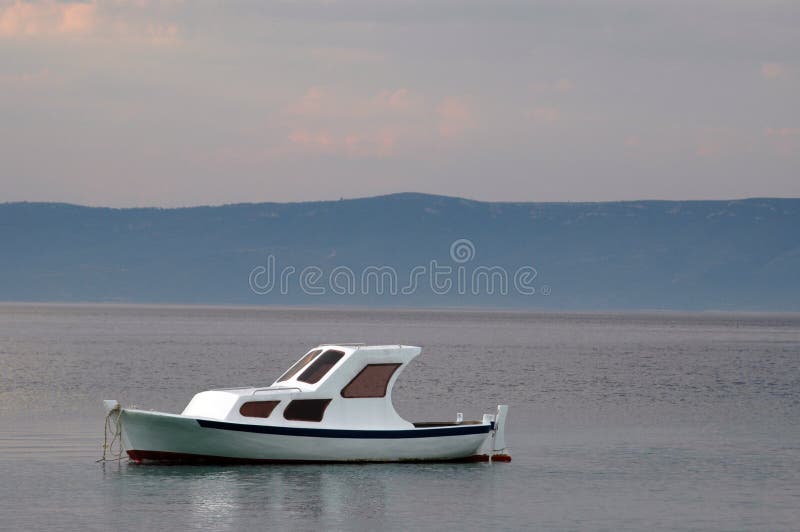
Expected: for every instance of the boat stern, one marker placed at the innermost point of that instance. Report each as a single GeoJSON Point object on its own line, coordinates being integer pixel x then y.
{"type": "Point", "coordinates": [494, 446]}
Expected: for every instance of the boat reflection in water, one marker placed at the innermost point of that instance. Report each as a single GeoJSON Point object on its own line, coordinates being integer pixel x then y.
{"type": "Point", "coordinates": [301, 496]}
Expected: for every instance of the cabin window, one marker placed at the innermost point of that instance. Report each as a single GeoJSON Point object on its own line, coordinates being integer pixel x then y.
{"type": "Point", "coordinates": [320, 366]}
{"type": "Point", "coordinates": [371, 381]}
{"type": "Point", "coordinates": [291, 372]}
{"type": "Point", "coordinates": [306, 409]}
{"type": "Point", "coordinates": [258, 408]}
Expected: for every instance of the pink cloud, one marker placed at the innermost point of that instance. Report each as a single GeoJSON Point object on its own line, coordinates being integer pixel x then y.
{"type": "Point", "coordinates": [130, 21]}
{"type": "Point", "coordinates": [711, 144]}
{"type": "Point", "coordinates": [337, 122]}
{"type": "Point", "coordinates": [378, 144]}
{"type": "Point", "coordinates": [707, 148]}
{"type": "Point", "coordinates": [78, 18]}
{"type": "Point", "coordinates": [455, 117]}
{"type": "Point", "coordinates": [782, 132]}
{"type": "Point", "coordinates": [321, 102]}
{"type": "Point", "coordinates": [334, 122]}
{"type": "Point", "coordinates": [785, 139]}
{"type": "Point", "coordinates": [161, 34]}
{"type": "Point", "coordinates": [398, 100]}
{"type": "Point", "coordinates": [773, 70]}
{"type": "Point", "coordinates": [715, 141]}
{"type": "Point", "coordinates": [312, 103]}
{"type": "Point", "coordinates": [47, 18]}
{"type": "Point", "coordinates": [563, 85]}
{"type": "Point", "coordinates": [357, 145]}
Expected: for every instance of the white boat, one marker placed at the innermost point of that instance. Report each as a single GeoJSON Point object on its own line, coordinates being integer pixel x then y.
{"type": "Point", "coordinates": [332, 405]}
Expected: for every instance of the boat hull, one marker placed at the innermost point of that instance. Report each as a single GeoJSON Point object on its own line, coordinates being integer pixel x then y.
{"type": "Point", "coordinates": [154, 436]}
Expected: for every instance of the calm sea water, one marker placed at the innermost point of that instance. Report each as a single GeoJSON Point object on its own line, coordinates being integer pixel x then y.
{"type": "Point", "coordinates": [616, 421]}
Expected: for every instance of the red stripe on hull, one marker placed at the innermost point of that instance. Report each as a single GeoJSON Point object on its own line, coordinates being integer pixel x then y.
{"type": "Point", "coordinates": [163, 457]}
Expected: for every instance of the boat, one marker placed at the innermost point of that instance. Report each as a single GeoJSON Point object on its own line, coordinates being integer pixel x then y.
{"type": "Point", "coordinates": [333, 405]}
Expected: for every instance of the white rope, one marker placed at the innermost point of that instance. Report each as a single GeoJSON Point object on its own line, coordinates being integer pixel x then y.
{"type": "Point", "coordinates": [113, 427]}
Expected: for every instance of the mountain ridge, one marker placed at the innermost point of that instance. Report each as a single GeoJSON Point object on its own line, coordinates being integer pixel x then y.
{"type": "Point", "coordinates": [741, 254]}
{"type": "Point", "coordinates": [397, 195]}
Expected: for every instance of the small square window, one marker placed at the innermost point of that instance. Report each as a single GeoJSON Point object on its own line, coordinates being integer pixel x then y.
{"type": "Point", "coordinates": [306, 409]}
{"type": "Point", "coordinates": [258, 408]}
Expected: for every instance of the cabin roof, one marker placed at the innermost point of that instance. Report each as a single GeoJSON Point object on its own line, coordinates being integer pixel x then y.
{"type": "Point", "coordinates": [351, 385]}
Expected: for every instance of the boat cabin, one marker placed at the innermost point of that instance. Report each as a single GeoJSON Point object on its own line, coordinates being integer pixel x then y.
{"type": "Point", "coordinates": [343, 385]}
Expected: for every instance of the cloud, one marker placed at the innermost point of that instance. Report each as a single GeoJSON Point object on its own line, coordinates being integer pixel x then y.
{"type": "Point", "coordinates": [710, 145]}
{"type": "Point", "coordinates": [722, 144]}
{"type": "Point", "coordinates": [78, 18]}
{"type": "Point", "coordinates": [717, 141]}
{"type": "Point", "coordinates": [322, 102]}
{"type": "Point", "coordinates": [785, 139]}
{"type": "Point", "coordinates": [455, 117]}
{"type": "Point", "coordinates": [134, 21]}
{"type": "Point", "coordinates": [543, 110]}
{"type": "Point", "coordinates": [782, 132]}
{"type": "Point", "coordinates": [314, 102]}
{"type": "Point", "coordinates": [357, 145]}
{"type": "Point", "coordinates": [398, 100]}
{"type": "Point", "coordinates": [339, 122]}
{"type": "Point", "coordinates": [342, 123]}
{"type": "Point", "coordinates": [773, 70]}
{"type": "Point", "coordinates": [161, 34]}
{"type": "Point", "coordinates": [47, 18]}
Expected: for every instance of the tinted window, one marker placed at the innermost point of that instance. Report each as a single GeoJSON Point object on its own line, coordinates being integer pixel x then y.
{"type": "Point", "coordinates": [299, 365]}
{"type": "Point", "coordinates": [320, 366]}
{"type": "Point", "coordinates": [258, 408]}
{"type": "Point", "coordinates": [371, 381]}
{"type": "Point", "coordinates": [306, 409]}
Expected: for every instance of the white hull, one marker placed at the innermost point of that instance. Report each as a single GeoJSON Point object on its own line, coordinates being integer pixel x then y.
{"type": "Point", "coordinates": [154, 436]}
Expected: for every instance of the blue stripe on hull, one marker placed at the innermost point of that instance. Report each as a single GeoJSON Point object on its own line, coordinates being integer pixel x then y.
{"type": "Point", "coordinates": [461, 430]}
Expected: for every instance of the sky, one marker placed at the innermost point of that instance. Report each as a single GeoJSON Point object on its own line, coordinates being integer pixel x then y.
{"type": "Point", "coordinates": [174, 103]}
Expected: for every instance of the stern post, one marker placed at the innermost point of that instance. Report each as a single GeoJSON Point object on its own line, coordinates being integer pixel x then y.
{"type": "Point", "coordinates": [499, 452]}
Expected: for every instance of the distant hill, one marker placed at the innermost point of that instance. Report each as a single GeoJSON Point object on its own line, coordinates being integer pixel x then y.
{"type": "Point", "coordinates": [727, 255]}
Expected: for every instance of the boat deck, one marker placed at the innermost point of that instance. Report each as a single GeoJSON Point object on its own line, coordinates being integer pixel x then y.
{"type": "Point", "coordinates": [423, 424]}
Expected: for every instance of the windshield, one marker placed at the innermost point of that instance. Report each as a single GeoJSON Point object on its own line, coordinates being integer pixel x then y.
{"type": "Point", "coordinates": [291, 372]}
{"type": "Point", "coordinates": [321, 366]}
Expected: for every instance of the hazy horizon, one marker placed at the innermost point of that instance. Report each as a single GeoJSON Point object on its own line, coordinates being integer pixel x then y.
{"type": "Point", "coordinates": [410, 193]}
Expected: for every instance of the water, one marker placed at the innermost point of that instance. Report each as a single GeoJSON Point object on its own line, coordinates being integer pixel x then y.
{"type": "Point", "coordinates": [616, 421]}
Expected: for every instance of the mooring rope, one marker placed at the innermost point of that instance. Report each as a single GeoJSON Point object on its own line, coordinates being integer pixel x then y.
{"type": "Point", "coordinates": [113, 427]}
